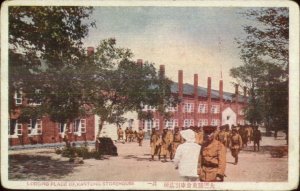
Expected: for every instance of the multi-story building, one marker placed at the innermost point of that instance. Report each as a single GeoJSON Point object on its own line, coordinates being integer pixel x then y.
{"type": "Point", "coordinates": [200, 106]}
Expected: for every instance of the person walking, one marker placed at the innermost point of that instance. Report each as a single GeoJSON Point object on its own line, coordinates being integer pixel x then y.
{"type": "Point", "coordinates": [256, 138]}
{"type": "Point", "coordinates": [166, 144]}
{"type": "Point", "coordinates": [126, 134]}
{"type": "Point", "coordinates": [222, 135]}
{"type": "Point", "coordinates": [140, 136]}
{"type": "Point", "coordinates": [155, 144]}
{"type": "Point", "coordinates": [186, 156]}
{"type": "Point", "coordinates": [235, 144]}
{"type": "Point", "coordinates": [212, 159]}
{"type": "Point", "coordinates": [120, 133]}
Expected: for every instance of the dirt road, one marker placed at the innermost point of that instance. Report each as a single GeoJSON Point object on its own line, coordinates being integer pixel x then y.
{"type": "Point", "coordinates": [133, 164]}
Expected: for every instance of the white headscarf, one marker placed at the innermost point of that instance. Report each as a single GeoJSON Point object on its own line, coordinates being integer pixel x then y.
{"type": "Point", "coordinates": [188, 135]}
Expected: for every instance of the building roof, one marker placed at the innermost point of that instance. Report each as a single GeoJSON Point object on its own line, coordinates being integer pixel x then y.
{"type": "Point", "coordinates": [188, 89]}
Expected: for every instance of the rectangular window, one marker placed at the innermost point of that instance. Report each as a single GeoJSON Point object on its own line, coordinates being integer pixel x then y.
{"type": "Point", "coordinates": [215, 109]}
{"type": "Point", "coordinates": [171, 123]}
{"type": "Point", "coordinates": [19, 128]}
{"type": "Point", "coordinates": [156, 123]}
{"type": "Point", "coordinates": [83, 125]}
{"type": "Point", "coordinates": [77, 126]}
{"type": "Point", "coordinates": [61, 127]}
{"type": "Point", "coordinates": [149, 124]}
{"type": "Point", "coordinates": [171, 109]}
{"type": "Point", "coordinates": [188, 107]}
{"type": "Point", "coordinates": [18, 97]}
{"type": "Point", "coordinates": [34, 127]}
{"type": "Point", "coordinates": [202, 108]}
{"type": "Point", "coordinates": [188, 122]}
{"type": "Point", "coordinates": [202, 122]}
{"type": "Point", "coordinates": [148, 108]}
{"type": "Point", "coordinates": [215, 122]}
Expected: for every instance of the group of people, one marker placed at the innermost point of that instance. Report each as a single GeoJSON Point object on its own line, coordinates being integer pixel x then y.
{"type": "Point", "coordinates": [130, 135]}
{"type": "Point", "coordinates": [200, 153]}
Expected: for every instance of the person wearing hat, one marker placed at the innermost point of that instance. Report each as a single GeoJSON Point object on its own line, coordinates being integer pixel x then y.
{"type": "Point", "coordinates": [235, 144]}
{"type": "Point", "coordinates": [126, 134]}
{"type": "Point", "coordinates": [212, 159]}
{"type": "Point", "coordinates": [120, 133]}
{"type": "Point", "coordinates": [256, 138]}
{"type": "Point", "coordinates": [155, 144]}
{"type": "Point", "coordinates": [166, 144]}
{"type": "Point", "coordinates": [177, 140]}
{"type": "Point", "coordinates": [199, 135]}
{"type": "Point", "coordinates": [140, 136]}
{"type": "Point", "coordinates": [186, 156]}
{"type": "Point", "coordinates": [222, 135]}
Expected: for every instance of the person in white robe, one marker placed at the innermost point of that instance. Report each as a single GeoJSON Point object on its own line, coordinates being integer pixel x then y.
{"type": "Point", "coordinates": [186, 156]}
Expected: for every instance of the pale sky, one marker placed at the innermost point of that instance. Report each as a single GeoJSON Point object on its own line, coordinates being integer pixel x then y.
{"type": "Point", "coordinates": [197, 40]}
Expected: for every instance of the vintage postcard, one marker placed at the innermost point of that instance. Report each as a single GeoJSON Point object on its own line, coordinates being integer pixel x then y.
{"type": "Point", "coordinates": [150, 95]}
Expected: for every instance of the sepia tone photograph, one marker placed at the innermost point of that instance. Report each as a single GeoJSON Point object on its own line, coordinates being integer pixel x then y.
{"type": "Point", "coordinates": [153, 95]}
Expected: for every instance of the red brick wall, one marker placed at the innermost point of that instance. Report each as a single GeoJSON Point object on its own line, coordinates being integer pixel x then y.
{"type": "Point", "coordinates": [50, 133]}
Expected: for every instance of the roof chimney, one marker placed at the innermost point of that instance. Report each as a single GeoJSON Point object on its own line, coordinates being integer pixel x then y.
{"type": "Point", "coordinates": [162, 71]}
{"type": "Point", "coordinates": [196, 86]}
{"type": "Point", "coordinates": [180, 83]}
{"type": "Point", "coordinates": [139, 62]}
{"type": "Point", "coordinates": [90, 51]}
{"type": "Point", "coordinates": [209, 88]}
{"type": "Point", "coordinates": [221, 90]}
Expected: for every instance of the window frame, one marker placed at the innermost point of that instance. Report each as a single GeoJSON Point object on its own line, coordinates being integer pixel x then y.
{"type": "Point", "coordinates": [203, 108]}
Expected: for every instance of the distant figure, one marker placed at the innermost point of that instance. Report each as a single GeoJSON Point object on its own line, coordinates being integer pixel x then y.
{"type": "Point", "coordinates": [155, 144]}
{"type": "Point", "coordinates": [186, 157]}
{"type": "Point", "coordinates": [140, 136]}
{"type": "Point", "coordinates": [212, 159]}
{"type": "Point", "coordinates": [126, 134]}
{"type": "Point", "coordinates": [235, 144]}
{"type": "Point", "coordinates": [256, 138]}
{"type": "Point", "coordinates": [120, 134]}
{"type": "Point", "coordinates": [130, 134]}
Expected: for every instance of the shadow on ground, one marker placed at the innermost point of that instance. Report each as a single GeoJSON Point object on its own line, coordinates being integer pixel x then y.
{"type": "Point", "coordinates": [37, 167]}
{"type": "Point", "coordinates": [137, 158]}
{"type": "Point", "coordinates": [274, 151]}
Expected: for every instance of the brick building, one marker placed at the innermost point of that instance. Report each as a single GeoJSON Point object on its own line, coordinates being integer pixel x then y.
{"type": "Point", "coordinates": [43, 130]}
{"type": "Point", "coordinates": [200, 106]}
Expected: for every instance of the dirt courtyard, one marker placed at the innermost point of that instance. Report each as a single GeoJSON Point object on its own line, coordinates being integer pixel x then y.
{"type": "Point", "coordinates": [133, 164]}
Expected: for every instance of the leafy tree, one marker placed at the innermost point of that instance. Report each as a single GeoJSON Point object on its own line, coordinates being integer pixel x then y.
{"type": "Point", "coordinates": [120, 85]}
{"type": "Point", "coordinates": [265, 71]}
{"type": "Point", "coordinates": [45, 58]}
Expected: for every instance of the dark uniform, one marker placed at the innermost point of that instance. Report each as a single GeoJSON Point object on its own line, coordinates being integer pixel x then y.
{"type": "Point", "coordinates": [256, 138]}
{"type": "Point", "coordinates": [235, 144]}
{"type": "Point", "coordinates": [212, 159]}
